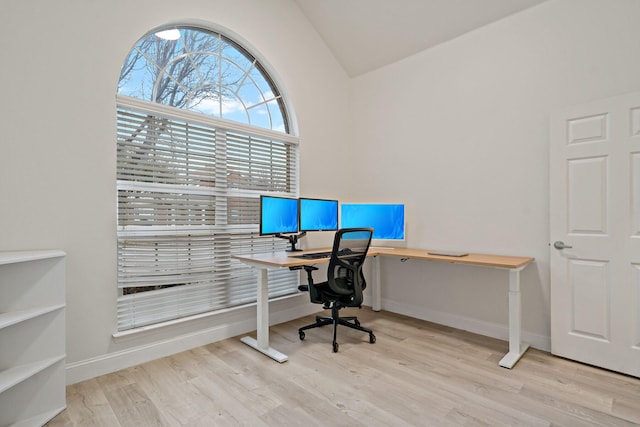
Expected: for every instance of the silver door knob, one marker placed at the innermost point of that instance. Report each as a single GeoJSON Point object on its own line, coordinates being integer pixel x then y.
{"type": "Point", "coordinates": [559, 244]}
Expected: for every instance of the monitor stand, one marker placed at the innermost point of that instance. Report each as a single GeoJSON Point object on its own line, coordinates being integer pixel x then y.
{"type": "Point", "coordinates": [293, 239]}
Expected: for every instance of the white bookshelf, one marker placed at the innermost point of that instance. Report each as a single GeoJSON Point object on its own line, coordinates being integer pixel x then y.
{"type": "Point", "coordinates": [32, 337]}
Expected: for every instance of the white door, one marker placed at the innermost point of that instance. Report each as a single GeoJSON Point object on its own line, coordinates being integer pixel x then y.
{"type": "Point", "coordinates": [595, 210]}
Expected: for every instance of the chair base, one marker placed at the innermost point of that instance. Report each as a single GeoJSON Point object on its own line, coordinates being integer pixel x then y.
{"type": "Point", "coordinates": [335, 320]}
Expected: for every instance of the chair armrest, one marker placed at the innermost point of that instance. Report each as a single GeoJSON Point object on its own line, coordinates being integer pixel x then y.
{"type": "Point", "coordinates": [310, 269]}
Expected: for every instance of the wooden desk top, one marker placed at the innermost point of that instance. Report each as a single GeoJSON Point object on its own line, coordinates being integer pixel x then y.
{"type": "Point", "coordinates": [287, 259]}
{"type": "Point", "coordinates": [280, 259]}
{"type": "Point", "coordinates": [499, 261]}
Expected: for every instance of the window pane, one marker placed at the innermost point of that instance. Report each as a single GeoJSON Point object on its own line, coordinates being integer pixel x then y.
{"type": "Point", "coordinates": [161, 150]}
{"type": "Point", "coordinates": [277, 121]}
{"type": "Point", "coordinates": [259, 116]}
{"type": "Point", "coordinates": [234, 109]}
{"type": "Point", "coordinates": [232, 78]}
{"type": "Point", "coordinates": [151, 209]}
{"type": "Point", "coordinates": [242, 59]}
{"type": "Point", "coordinates": [250, 93]}
{"type": "Point", "coordinates": [262, 84]}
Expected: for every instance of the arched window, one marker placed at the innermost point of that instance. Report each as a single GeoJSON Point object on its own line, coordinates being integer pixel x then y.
{"type": "Point", "coordinates": [202, 131]}
{"type": "Point", "coordinates": [205, 72]}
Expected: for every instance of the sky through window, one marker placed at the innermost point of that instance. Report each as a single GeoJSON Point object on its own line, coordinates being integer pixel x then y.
{"type": "Point", "coordinates": [204, 72]}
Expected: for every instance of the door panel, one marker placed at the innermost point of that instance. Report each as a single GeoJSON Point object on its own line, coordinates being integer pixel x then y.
{"type": "Point", "coordinates": [589, 299]}
{"type": "Point", "coordinates": [595, 210]}
{"type": "Point", "coordinates": [587, 192]}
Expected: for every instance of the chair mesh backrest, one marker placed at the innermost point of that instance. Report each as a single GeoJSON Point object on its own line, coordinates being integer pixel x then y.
{"type": "Point", "coordinates": [352, 244]}
{"type": "Point", "coordinates": [345, 274]}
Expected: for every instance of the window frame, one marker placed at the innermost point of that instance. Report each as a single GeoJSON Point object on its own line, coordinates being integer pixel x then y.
{"type": "Point", "coordinates": [241, 287]}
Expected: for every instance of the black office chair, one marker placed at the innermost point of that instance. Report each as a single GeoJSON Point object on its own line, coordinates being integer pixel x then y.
{"type": "Point", "coordinates": [345, 282]}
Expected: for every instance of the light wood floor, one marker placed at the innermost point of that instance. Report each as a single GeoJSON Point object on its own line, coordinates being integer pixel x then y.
{"type": "Point", "coordinates": [416, 374]}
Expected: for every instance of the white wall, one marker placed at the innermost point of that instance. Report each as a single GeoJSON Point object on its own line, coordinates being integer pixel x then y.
{"type": "Point", "coordinates": [461, 135]}
{"type": "Point", "coordinates": [61, 62]}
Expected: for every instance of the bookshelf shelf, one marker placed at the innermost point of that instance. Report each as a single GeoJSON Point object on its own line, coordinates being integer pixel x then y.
{"type": "Point", "coordinates": [32, 337]}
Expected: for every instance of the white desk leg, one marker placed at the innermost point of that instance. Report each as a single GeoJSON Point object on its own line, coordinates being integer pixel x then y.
{"type": "Point", "coordinates": [375, 285]}
{"type": "Point", "coordinates": [516, 346]}
{"type": "Point", "coordinates": [262, 330]}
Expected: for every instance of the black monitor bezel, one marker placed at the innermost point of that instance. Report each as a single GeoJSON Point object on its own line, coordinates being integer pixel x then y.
{"type": "Point", "coordinates": [260, 230]}
{"type": "Point", "coordinates": [320, 200]}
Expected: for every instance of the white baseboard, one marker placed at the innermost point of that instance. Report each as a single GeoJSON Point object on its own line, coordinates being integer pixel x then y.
{"type": "Point", "coordinates": [488, 329]}
{"type": "Point", "coordinates": [229, 325]}
{"type": "Point", "coordinates": [244, 321]}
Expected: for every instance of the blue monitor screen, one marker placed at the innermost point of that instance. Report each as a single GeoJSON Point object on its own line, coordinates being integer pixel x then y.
{"type": "Point", "coordinates": [387, 220]}
{"type": "Point", "coordinates": [278, 215]}
{"type": "Point", "coordinates": [318, 215]}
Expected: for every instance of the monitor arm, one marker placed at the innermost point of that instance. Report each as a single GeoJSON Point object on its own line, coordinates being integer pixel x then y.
{"type": "Point", "coordinates": [293, 239]}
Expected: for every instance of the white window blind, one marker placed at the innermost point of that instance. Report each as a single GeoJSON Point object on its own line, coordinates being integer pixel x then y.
{"type": "Point", "coordinates": [188, 198]}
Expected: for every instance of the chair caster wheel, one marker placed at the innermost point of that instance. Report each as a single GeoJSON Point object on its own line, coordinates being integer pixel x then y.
{"type": "Point", "coordinates": [335, 347]}
{"type": "Point", "coordinates": [372, 338]}
{"type": "Point", "coordinates": [301, 335]}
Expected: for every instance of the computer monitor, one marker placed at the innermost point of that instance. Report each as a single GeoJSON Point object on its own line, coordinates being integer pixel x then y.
{"type": "Point", "coordinates": [279, 217]}
{"type": "Point", "coordinates": [318, 214]}
{"type": "Point", "coordinates": [387, 220]}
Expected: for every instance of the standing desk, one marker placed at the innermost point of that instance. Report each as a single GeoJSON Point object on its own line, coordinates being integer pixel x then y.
{"type": "Point", "coordinates": [264, 262]}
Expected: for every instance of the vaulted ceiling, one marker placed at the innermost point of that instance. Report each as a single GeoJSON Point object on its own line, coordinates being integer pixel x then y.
{"type": "Point", "coordinates": [367, 34]}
